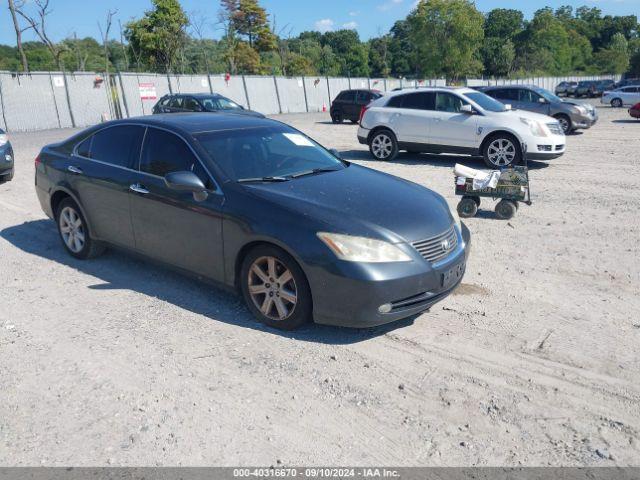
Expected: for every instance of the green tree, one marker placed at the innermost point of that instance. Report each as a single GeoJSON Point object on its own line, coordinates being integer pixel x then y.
{"type": "Point", "coordinates": [634, 57]}
{"type": "Point", "coordinates": [160, 35]}
{"type": "Point", "coordinates": [503, 23]}
{"type": "Point", "coordinates": [448, 35]}
{"type": "Point", "coordinates": [544, 45]}
{"type": "Point", "coordinates": [498, 56]}
{"type": "Point", "coordinates": [351, 54]}
{"type": "Point", "coordinates": [614, 58]}
{"type": "Point", "coordinates": [250, 21]}
{"type": "Point", "coordinates": [402, 50]}
{"type": "Point", "coordinates": [379, 56]}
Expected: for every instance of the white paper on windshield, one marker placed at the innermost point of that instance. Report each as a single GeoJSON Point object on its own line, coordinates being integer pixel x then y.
{"type": "Point", "coordinates": [298, 139]}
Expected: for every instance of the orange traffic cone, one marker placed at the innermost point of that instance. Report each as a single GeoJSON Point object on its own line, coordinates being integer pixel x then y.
{"type": "Point", "coordinates": [324, 108]}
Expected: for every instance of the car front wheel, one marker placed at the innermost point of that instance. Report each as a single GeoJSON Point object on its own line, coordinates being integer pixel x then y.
{"type": "Point", "coordinates": [383, 145]}
{"type": "Point", "coordinates": [616, 103]}
{"type": "Point", "coordinates": [74, 232]}
{"type": "Point", "coordinates": [275, 288]}
{"type": "Point", "coordinates": [565, 124]}
{"type": "Point", "coordinates": [501, 151]}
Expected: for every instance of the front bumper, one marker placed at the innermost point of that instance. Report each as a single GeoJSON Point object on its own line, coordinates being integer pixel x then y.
{"type": "Point", "coordinates": [7, 163]}
{"type": "Point", "coordinates": [351, 294]}
{"type": "Point", "coordinates": [584, 121]}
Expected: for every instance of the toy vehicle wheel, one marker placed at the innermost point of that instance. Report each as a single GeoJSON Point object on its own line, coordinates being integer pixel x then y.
{"type": "Point", "coordinates": [467, 207]}
{"type": "Point", "coordinates": [505, 209]}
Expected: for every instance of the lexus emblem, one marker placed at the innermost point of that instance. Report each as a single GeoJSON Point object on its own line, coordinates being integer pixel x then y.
{"type": "Point", "coordinates": [445, 245]}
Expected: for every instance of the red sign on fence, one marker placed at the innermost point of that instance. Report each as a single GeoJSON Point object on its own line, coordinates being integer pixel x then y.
{"type": "Point", "coordinates": [148, 91]}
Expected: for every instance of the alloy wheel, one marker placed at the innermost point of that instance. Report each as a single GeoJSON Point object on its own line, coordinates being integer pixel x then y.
{"type": "Point", "coordinates": [501, 152]}
{"type": "Point", "coordinates": [382, 146]}
{"type": "Point", "coordinates": [72, 229]}
{"type": "Point", "coordinates": [272, 288]}
{"type": "Point", "coordinates": [564, 124]}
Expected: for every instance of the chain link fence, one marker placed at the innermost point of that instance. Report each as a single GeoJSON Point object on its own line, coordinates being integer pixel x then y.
{"type": "Point", "coordinates": [48, 100]}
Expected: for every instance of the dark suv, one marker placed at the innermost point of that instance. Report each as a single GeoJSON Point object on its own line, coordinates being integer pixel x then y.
{"type": "Point", "coordinates": [200, 102]}
{"type": "Point", "coordinates": [348, 104]}
{"type": "Point", "coordinates": [6, 158]}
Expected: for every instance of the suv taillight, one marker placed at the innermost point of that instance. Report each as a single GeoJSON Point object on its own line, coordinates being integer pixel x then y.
{"type": "Point", "coordinates": [37, 161]}
{"type": "Point", "coordinates": [362, 112]}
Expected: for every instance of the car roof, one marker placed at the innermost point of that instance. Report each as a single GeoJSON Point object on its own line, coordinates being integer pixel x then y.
{"type": "Point", "coordinates": [493, 87]}
{"type": "Point", "coordinates": [193, 123]}
{"type": "Point", "coordinates": [404, 91]}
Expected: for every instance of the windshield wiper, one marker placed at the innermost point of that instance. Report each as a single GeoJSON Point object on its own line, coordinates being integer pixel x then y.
{"type": "Point", "coordinates": [263, 179]}
{"type": "Point", "coordinates": [313, 172]}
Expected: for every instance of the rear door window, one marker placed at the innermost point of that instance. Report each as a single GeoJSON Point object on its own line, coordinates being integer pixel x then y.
{"type": "Point", "coordinates": [419, 101]}
{"type": "Point", "coordinates": [119, 145]}
{"type": "Point", "coordinates": [176, 102]}
{"type": "Point", "coordinates": [347, 97]}
{"type": "Point", "coordinates": [527, 96]}
{"type": "Point", "coordinates": [191, 104]}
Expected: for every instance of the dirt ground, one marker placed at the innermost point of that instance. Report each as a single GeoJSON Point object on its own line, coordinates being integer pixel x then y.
{"type": "Point", "coordinates": [534, 360]}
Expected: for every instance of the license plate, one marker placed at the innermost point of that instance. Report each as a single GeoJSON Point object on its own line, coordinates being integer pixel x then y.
{"type": "Point", "coordinates": [451, 276]}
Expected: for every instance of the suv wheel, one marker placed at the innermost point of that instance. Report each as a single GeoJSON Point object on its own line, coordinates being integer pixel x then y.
{"type": "Point", "coordinates": [565, 123]}
{"type": "Point", "coordinates": [501, 150]}
{"type": "Point", "coordinates": [337, 117]}
{"type": "Point", "coordinates": [383, 145]}
{"type": "Point", "coordinates": [74, 232]}
{"type": "Point", "coordinates": [275, 288]}
{"type": "Point", "coordinates": [616, 103]}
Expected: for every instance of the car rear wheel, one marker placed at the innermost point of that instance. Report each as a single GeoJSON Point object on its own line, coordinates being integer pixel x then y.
{"type": "Point", "coordinates": [616, 103]}
{"type": "Point", "coordinates": [565, 123]}
{"type": "Point", "coordinates": [275, 288]}
{"type": "Point", "coordinates": [74, 232]}
{"type": "Point", "coordinates": [337, 117]}
{"type": "Point", "coordinates": [501, 151]}
{"type": "Point", "coordinates": [383, 145]}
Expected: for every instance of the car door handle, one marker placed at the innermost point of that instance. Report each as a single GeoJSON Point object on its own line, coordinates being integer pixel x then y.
{"type": "Point", "coordinates": [136, 187]}
{"type": "Point", "coordinates": [74, 170]}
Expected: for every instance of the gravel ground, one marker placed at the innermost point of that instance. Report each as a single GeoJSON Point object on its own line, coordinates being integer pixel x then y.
{"type": "Point", "coordinates": [533, 361]}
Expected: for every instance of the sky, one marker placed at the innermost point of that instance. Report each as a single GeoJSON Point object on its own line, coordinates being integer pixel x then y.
{"type": "Point", "coordinates": [368, 17]}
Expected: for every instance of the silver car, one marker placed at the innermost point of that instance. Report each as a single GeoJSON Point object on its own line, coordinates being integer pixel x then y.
{"type": "Point", "coordinates": [571, 115]}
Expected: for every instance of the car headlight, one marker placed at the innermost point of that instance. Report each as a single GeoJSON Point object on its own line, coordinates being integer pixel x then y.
{"type": "Point", "coordinates": [3, 139]}
{"type": "Point", "coordinates": [581, 110]}
{"type": "Point", "coordinates": [537, 128]}
{"type": "Point", "coordinates": [362, 249]}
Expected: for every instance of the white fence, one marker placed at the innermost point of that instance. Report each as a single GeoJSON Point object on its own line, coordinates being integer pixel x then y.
{"type": "Point", "coordinates": [46, 100]}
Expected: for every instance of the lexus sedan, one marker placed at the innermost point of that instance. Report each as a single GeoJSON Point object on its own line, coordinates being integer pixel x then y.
{"type": "Point", "coordinates": [6, 158]}
{"type": "Point", "coordinates": [254, 205]}
{"type": "Point", "coordinates": [200, 102]}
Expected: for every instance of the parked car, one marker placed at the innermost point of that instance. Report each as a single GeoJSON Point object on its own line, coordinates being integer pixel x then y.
{"type": "Point", "coordinates": [6, 158]}
{"type": "Point", "coordinates": [625, 82]}
{"type": "Point", "coordinates": [570, 115]}
{"type": "Point", "coordinates": [629, 95]}
{"type": "Point", "coordinates": [604, 86]}
{"type": "Point", "coordinates": [457, 120]}
{"type": "Point", "coordinates": [563, 88]}
{"type": "Point", "coordinates": [635, 111]}
{"type": "Point", "coordinates": [255, 205]}
{"type": "Point", "coordinates": [586, 88]}
{"type": "Point", "coordinates": [200, 102]}
{"type": "Point", "coordinates": [348, 103]}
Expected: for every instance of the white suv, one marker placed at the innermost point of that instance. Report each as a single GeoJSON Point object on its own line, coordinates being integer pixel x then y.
{"type": "Point", "coordinates": [457, 120]}
{"type": "Point", "coordinates": [629, 95]}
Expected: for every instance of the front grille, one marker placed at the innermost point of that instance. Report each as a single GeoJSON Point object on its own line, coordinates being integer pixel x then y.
{"type": "Point", "coordinates": [544, 148]}
{"type": "Point", "coordinates": [438, 247]}
{"type": "Point", "coordinates": [555, 128]}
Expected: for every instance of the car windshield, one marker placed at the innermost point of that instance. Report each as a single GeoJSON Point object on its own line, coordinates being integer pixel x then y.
{"type": "Point", "coordinates": [486, 102]}
{"type": "Point", "coordinates": [271, 153]}
{"type": "Point", "coordinates": [547, 95]}
{"type": "Point", "coordinates": [214, 103]}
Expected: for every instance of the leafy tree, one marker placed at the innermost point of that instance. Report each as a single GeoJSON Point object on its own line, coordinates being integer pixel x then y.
{"type": "Point", "coordinates": [379, 56]}
{"type": "Point", "coordinates": [614, 58]}
{"type": "Point", "coordinates": [160, 35]}
{"type": "Point", "coordinates": [402, 50]}
{"type": "Point", "coordinates": [503, 23]}
{"type": "Point", "coordinates": [498, 56]}
{"type": "Point", "coordinates": [250, 21]}
{"type": "Point", "coordinates": [351, 54]}
{"type": "Point", "coordinates": [634, 57]}
{"type": "Point", "coordinates": [448, 35]}
{"type": "Point", "coordinates": [545, 44]}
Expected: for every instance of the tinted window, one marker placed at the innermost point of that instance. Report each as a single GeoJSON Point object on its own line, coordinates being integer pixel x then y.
{"type": "Point", "coordinates": [84, 149]}
{"type": "Point", "coordinates": [446, 102]}
{"type": "Point", "coordinates": [396, 102]}
{"type": "Point", "coordinates": [527, 96]}
{"type": "Point", "coordinates": [191, 104]}
{"type": "Point", "coordinates": [176, 102]}
{"type": "Point", "coordinates": [117, 145]}
{"type": "Point", "coordinates": [504, 94]}
{"type": "Point", "coordinates": [347, 96]}
{"type": "Point", "coordinates": [363, 97]}
{"type": "Point", "coordinates": [419, 101]}
{"type": "Point", "coordinates": [164, 153]}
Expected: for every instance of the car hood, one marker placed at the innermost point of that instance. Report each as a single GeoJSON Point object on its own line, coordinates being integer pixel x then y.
{"type": "Point", "coordinates": [538, 117]}
{"type": "Point", "coordinates": [250, 113]}
{"type": "Point", "coordinates": [361, 201]}
{"type": "Point", "coordinates": [586, 105]}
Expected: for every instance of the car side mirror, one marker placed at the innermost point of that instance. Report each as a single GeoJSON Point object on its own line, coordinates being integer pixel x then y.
{"type": "Point", "coordinates": [542, 100]}
{"type": "Point", "coordinates": [187, 182]}
{"type": "Point", "coordinates": [335, 153]}
{"type": "Point", "coordinates": [468, 109]}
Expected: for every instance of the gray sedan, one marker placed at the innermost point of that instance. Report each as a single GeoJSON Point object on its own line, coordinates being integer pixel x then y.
{"type": "Point", "coordinates": [570, 115]}
{"type": "Point", "coordinates": [255, 205]}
